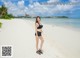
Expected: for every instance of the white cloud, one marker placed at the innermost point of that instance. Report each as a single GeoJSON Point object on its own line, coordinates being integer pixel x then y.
{"type": "Point", "coordinates": [14, 9]}
{"type": "Point", "coordinates": [64, 7]}
{"type": "Point", "coordinates": [21, 4]}
{"type": "Point", "coordinates": [74, 0]}
{"type": "Point", "coordinates": [50, 1]}
{"type": "Point", "coordinates": [36, 8]}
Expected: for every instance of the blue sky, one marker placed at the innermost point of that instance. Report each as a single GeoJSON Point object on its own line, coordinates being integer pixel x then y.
{"type": "Point", "coordinates": [35, 7]}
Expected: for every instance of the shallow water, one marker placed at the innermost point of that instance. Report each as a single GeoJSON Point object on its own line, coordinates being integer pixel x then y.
{"type": "Point", "coordinates": [75, 23]}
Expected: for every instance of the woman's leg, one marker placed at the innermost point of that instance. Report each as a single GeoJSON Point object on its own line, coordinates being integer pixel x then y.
{"type": "Point", "coordinates": [37, 41]}
{"type": "Point", "coordinates": [42, 41]}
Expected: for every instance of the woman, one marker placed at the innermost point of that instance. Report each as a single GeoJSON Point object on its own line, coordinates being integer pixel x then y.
{"type": "Point", "coordinates": [38, 35]}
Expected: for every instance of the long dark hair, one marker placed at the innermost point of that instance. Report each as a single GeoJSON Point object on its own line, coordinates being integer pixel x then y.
{"type": "Point", "coordinates": [36, 19]}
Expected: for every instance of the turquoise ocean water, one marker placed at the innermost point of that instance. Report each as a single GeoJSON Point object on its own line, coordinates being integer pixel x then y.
{"type": "Point", "coordinates": [74, 23]}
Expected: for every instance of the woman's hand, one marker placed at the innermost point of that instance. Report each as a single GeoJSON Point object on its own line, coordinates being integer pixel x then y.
{"type": "Point", "coordinates": [40, 30]}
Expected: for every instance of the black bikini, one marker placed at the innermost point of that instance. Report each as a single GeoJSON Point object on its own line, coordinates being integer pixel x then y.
{"type": "Point", "coordinates": [40, 26]}
{"type": "Point", "coordinates": [38, 32]}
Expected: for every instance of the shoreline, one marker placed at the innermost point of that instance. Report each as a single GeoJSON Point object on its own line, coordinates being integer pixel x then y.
{"type": "Point", "coordinates": [60, 42]}
{"type": "Point", "coordinates": [70, 33]}
{"type": "Point", "coordinates": [64, 26]}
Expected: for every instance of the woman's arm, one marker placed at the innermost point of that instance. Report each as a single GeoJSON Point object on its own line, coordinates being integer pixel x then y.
{"type": "Point", "coordinates": [36, 25]}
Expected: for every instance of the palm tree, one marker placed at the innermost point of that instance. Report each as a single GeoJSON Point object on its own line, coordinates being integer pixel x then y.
{"type": "Point", "coordinates": [4, 13]}
{"type": "Point", "coordinates": [0, 12]}
{"type": "Point", "coordinates": [4, 10]}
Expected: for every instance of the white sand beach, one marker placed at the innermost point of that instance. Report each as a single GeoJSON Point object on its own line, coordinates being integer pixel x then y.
{"type": "Point", "coordinates": [60, 42]}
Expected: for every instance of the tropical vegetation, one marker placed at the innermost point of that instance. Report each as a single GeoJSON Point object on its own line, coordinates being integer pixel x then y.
{"type": "Point", "coordinates": [4, 13]}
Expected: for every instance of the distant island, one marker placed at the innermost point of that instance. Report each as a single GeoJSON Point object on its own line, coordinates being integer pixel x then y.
{"type": "Point", "coordinates": [28, 16]}
{"type": "Point", "coordinates": [55, 17]}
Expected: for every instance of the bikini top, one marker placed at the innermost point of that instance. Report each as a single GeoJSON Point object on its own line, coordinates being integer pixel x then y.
{"type": "Point", "coordinates": [40, 26]}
